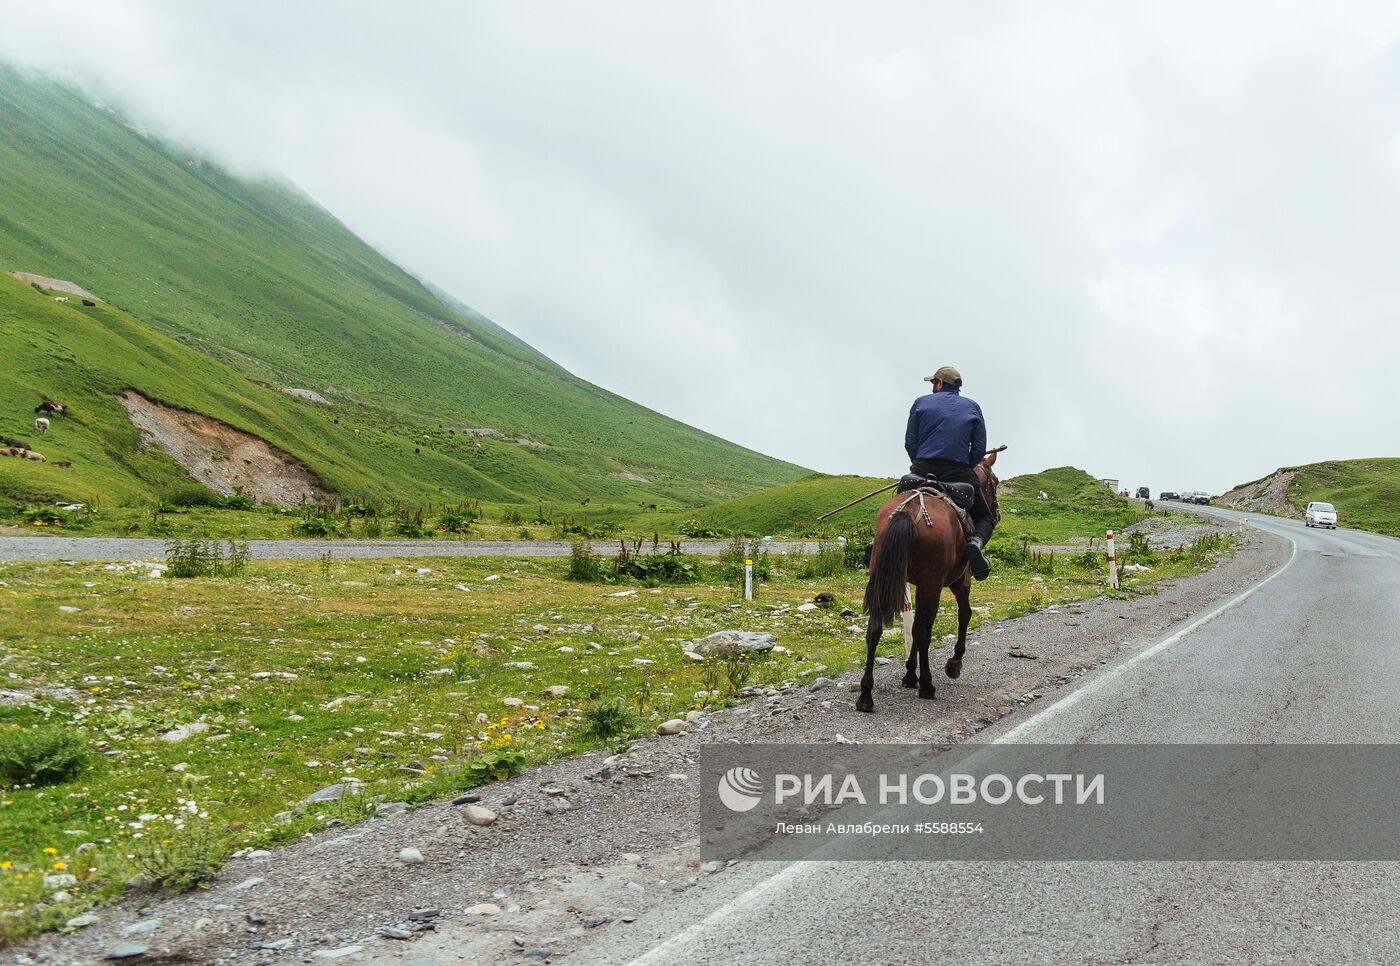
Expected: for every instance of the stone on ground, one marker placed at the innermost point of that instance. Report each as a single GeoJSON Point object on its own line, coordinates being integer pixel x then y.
{"type": "Point", "coordinates": [479, 815]}
{"type": "Point", "coordinates": [735, 642]}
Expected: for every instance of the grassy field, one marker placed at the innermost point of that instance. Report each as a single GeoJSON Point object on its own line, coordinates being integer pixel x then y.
{"type": "Point", "coordinates": [209, 282]}
{"type": "Point", "coordinates": [1078, 506]}
{"type": "Point", "coordinates": [1366, 492]}
{"type": "Point", "coordinates": [417, 680]}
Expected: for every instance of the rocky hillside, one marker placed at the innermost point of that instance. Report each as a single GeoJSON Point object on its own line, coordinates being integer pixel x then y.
{"type": "Point", "coordinates": [1366, 492]}
{"type": "Point", "coordinates": [1267, 495]}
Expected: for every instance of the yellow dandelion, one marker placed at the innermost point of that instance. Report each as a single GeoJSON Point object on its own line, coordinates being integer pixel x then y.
{"type": "Point", "coordinates": [50, 851]}
{"type": "Point", "coordinates": [5, 864]}
{"type": "Point", "coordinates": [60, 866]}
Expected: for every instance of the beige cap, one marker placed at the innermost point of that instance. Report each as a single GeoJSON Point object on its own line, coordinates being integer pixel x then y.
{"type": "Point", "coordinates": [947, 374]}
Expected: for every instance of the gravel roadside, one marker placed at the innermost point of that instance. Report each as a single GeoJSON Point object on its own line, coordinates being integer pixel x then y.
{"type": "Point", "coordinates": [590, 845]}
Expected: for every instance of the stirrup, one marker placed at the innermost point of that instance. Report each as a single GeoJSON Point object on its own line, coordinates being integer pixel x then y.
{"type": "Point", "coordinates": [977, 562]}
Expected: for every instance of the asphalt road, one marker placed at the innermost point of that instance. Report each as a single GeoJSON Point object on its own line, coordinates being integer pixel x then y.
{"type": "Point", "coordinates": [1308, 655]}
{"type": "Point", "coordinates": [145, 548]}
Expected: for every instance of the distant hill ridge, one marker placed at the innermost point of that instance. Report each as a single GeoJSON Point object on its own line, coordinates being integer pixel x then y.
{"type": "Point", "coordinates": [1366, 492]}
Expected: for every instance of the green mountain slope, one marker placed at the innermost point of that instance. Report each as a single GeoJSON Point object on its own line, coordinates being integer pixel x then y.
{"type": "Point", "coordinates": [1366, 492]}
{"type": "Point", "coordinates": [1077, 506]}
{"type": "Point", "coordinates": [258, 277]}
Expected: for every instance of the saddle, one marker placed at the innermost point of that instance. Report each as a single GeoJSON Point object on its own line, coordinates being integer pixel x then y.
{"type": "Point", "coordinates": [958, 496]}
{"type": "Point", "coordinates": [963, 495]}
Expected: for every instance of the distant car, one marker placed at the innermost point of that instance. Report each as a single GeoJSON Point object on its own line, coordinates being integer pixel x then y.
{"type": "Point", "coordinates": [1169, 495]}
{"type": "Point", "coordinates": [1321, 515]}
{"type": "Point", "coordinates": [1202, 498]}
{"type": "Point", "coordinates": [1144, 493]}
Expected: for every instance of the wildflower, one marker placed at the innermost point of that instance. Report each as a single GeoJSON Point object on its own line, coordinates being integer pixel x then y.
{"type": "Point", "coordinates": [5, 865]}
{"type": "Point", "coordinates": [60, 866]}
{"type": "Point", "coordinates": [50, 851]}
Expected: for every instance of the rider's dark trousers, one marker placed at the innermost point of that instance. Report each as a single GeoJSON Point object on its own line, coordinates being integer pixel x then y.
{"type": "Point", "coordinates": [951, 471]}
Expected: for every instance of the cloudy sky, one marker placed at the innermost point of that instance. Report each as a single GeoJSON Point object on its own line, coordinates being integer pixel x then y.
{"type": "Point", "coordinates": [1160, 242]}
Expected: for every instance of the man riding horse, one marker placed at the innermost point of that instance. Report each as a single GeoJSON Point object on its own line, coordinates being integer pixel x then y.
{"type": "Point", "coordinates": [947, 437]}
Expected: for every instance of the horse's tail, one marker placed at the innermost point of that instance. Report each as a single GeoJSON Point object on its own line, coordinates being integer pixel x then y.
{"type": "Point", "coordinates": [888, 585]}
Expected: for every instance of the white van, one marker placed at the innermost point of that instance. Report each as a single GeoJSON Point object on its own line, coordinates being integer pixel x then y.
{"type": "Point", "coordinates": [1321, 515]}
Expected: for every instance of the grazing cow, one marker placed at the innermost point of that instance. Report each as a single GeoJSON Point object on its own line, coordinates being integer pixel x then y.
{"type": "Point", "coordinates": [41, 425]}
{"type": "Point", "coordinates": [89, 303]}
{"type": "Point", "coordinates": [8, 451]}
{"type": "Point", "coordinates": [50, 408]}
{"type": "Point", "coordinates": [60, 298]}
{"type": "Point", "coordinates": [29, 454]}
{"type": "Point", "coordinates": [1043, 495]}
{"type": "Point", "coordinates": [16, 443]}
{"type": "Point", "coordinates": [63, 463]}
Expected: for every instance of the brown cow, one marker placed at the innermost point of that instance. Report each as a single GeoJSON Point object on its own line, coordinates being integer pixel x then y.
{"type": "Point", "coordinates": [29, 454]}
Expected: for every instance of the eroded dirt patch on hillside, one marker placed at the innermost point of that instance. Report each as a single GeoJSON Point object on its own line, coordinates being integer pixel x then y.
{"type": "Point", "coordinates": [225, 459]}
{"type": "Point", "coordinates": [56, 284]}
{"type": "Point", "coordinates": [1269, 495]}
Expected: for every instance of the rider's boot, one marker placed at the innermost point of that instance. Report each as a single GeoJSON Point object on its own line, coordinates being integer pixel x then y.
{"type": "Point", "coordinates": [976, 561]}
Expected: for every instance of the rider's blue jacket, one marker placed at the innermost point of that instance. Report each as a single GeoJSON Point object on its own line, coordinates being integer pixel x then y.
{"type": "Point", "coordinates": [945, 426]}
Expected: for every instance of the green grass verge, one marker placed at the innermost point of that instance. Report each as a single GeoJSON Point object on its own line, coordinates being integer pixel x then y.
{"type": "Point", "coordinates": [309, 673]}
{"type": "Point", "coordinates": [1077, 506]}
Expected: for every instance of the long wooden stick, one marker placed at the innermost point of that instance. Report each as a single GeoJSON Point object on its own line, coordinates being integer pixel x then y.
{"type": "Point", "coordinates": [862, 499]}
{"type": "Point", "coordinates": [859, 499]}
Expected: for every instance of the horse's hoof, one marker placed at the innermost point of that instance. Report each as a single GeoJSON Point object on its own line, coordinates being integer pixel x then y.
{"type": "Point", "coordinates": [928, 692]}
{"type": "Point", "coordinates": [909, 681]}
{"type": "Point", "coordinates": [954, 667]}
{"type": "Point", "coordinates": [865, 703]}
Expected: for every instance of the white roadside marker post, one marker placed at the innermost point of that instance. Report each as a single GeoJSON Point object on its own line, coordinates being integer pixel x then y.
{"type": "Point", "coordinates": [1112, 563]}
{"type": "Point", "coordinates": [748, 580]}
{"type": "Point", "coordinates": [906, 617]}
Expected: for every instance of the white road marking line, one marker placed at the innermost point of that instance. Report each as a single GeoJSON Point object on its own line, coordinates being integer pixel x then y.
{"type": "Point", "coordinates": [1077, 695]}
{"type": "Point", "coordinates": [666, 951]}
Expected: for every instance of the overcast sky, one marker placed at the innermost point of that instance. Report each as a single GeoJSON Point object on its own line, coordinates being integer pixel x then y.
{"type": "Point", "coordinates": [1162, 243]}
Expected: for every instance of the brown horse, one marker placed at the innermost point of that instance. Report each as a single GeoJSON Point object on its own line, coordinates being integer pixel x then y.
{"type": "Point", "coordinates": [920, 543]}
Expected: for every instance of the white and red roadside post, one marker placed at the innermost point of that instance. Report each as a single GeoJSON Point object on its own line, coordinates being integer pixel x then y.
{"type": "Point", "coordinates": [1112, 563]}
{"type": "Point", "coordinates": [906, 617]}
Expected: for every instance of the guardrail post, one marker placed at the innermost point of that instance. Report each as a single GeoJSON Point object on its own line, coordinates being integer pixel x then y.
{"type": "Point", "coordinates": [1112, 563]}
{"type": "Point", "coordinates": [748, 580]}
